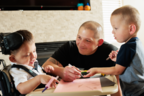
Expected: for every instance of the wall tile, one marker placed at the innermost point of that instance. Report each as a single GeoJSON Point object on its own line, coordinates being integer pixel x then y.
{"type": "Point", "coordinates": [48, 26]}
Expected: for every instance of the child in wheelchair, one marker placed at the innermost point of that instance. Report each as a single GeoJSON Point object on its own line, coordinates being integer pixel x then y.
{"type": "Point", "coordinates": [25, 54]}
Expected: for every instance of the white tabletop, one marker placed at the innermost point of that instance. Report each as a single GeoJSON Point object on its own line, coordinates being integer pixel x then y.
{"type": "Point", "coordinates": [105, 90]}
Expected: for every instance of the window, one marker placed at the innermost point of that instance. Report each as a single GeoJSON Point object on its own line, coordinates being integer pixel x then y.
{"type": "Point", "coordinates": [108, 7]}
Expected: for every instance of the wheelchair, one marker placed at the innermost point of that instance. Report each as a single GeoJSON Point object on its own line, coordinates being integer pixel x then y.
{"type": "Point", "coordinates": [6, 82]}
{"type": "Point", "coordinates": [8, 42]}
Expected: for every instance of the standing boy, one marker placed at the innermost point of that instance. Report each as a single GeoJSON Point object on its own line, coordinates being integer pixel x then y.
{"type": "Point", "coordinates": [130, 58]}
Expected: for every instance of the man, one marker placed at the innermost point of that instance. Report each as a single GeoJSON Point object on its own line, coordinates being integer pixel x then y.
{"type": "Point", "coordinates": [88, 51]}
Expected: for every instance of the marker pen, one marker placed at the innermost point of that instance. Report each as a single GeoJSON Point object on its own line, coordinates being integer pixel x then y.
{"type": "Point", "coordinates": [49, 83]}
{"type": "Point", "coordinates": [71, 66]}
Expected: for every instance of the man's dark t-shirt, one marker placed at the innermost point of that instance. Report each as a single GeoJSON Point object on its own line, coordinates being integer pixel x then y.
{"type": "Point", "coordinates": [69, 54]}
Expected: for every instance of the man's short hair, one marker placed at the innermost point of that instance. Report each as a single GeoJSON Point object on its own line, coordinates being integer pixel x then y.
{"type": "Point", "coordinates": [94, 26]}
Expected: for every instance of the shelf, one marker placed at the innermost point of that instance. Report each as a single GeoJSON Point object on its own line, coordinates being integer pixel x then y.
{"type": "Point", "coordinates": [39, 8]}
{"type": "Point", "coordinates": [9, 5]}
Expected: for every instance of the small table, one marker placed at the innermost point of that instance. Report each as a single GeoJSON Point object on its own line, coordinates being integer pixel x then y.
{"type": "Point", "coordinates": [105, 90]}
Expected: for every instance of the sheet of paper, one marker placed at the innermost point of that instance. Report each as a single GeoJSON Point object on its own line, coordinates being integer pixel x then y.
{"type": "Point", "coordinates": [88, 84]}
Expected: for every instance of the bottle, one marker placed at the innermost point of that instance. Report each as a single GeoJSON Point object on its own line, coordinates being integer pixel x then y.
{"type": "Point", "coordinates": [87, 7]}
{"type": "Point", "coordinates": [80, 6]}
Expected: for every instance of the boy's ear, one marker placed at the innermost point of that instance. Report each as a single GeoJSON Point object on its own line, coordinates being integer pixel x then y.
{"type": "Point", "coordinates": [100, 42]}
{"type": "Point", "coordinates": [12, 58]}
{"type": "Point", "coordinates": [132, 29]}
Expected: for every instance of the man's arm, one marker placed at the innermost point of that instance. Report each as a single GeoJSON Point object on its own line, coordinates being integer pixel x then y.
{"type": "Point", "coordinates": [58, 68]}
{"type": "Point", "coordinates": [67, 73]}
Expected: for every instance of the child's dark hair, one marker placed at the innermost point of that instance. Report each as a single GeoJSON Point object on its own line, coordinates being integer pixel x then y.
{"type": "Point", "coordinates": [27, 37]}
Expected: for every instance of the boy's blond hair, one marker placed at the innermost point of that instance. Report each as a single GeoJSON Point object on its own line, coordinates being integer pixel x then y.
{"type": "Point", "coordinates": [129, 14]}
{"type": "Point", "coordinates": [94, 26]}
{"type": "Point", "coordinates": [27, 37]}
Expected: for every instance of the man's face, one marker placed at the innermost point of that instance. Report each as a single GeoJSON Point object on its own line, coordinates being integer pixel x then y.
{"type": "Point", "coordinates": [26, 54]}
{"type": "Point", "coordinates": [86, 42]}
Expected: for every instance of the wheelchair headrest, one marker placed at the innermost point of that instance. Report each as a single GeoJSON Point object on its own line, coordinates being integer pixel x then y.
{"type": "Point", "coordinates": [10, 41]}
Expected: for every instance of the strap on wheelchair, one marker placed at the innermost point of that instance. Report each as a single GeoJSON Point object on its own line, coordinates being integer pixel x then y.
{"type": "Point", "coordinates": [24, 68]}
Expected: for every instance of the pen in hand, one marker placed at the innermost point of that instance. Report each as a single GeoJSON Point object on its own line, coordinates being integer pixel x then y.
{"type": "Point", "coordinates": [71, 66]}
{"type": "Point", "coordinates": [49, 83]}
{"type": "Point", "coordinates": [113, 55]}
{"type": "Point", "coordinates": [109, 57]}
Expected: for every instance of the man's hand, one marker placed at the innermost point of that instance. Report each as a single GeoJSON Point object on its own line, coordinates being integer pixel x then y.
{"type": "Point", "coordinates": [71, 73]}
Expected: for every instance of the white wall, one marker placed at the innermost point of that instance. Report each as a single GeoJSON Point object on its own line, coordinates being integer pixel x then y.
{"type": "Point", "coordinates": [49, 25]}
{"type": "Point", "coordinates": [139, 5]}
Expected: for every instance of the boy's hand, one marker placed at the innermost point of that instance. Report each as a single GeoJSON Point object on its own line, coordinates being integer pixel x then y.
{"type": "Point", "coordinates": [91, 72]}
{"type": "Point", "coordinates": [46, 78]}
{"type": "Point", "coordinates": [113, 55]}
{"type": "Point", "coordinates": [49, 68]}
{"type": "Point", "coordinates": [71, 73]}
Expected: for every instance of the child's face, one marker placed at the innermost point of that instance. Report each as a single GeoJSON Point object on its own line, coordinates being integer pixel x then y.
{"type": "Point", "coordinates": [121, 29]}
{"type": "Point", "coordinates": [86, 42]}
{"type": "Point", "coordinates": [26, 54]}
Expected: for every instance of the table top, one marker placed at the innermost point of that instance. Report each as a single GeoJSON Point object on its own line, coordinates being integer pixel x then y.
{"type": "Point", "coordinates": [105, 90]}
